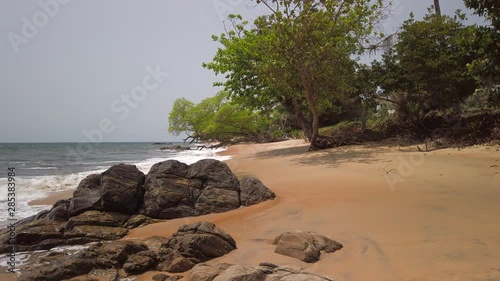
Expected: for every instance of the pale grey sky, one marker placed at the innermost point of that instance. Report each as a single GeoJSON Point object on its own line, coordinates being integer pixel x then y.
{"type": "Point", "coordinates": [77, 70]}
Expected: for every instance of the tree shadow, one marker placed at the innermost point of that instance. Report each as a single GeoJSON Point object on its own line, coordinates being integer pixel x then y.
{"type": "Point", "coordinates": [333, 157]}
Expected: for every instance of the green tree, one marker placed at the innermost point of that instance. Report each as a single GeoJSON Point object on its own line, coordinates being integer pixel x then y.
{"type": "Point", "coordinates": [301, 53]}
{"type": "Point", "coordinates": [490, 9]}
{"type": "Point", "coordinates": [218, 119]}
{"type": "Point", "coordinates": [486, 68]}
{"type": "Point", "coordinates": [427, 68]}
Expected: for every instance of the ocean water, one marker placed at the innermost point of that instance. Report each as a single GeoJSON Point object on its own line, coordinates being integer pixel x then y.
{"type": "Point", "coordinates": [42, 168]}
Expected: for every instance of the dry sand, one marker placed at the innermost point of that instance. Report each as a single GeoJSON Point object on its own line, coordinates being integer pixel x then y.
{"type": "Point", "coordinates": [435, 217]}
{"type": "Point", "coordinates": [439, 220]}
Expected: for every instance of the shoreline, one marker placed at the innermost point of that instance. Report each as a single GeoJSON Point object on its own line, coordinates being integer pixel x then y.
{"type": "Point", "coordinates": [52, 197]}
{"type": "Point", "coordinates": [417, 229]}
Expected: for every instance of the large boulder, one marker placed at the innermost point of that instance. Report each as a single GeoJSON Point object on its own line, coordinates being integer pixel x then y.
{"type": "Point", "coordinates": [118, 189]}
{"type": "Point", "coordinates": [213, 173]}
{"type": "Point", "coordinates": [264, 272]}
{"type": "Point", "coordinates": [174, 190]}
{"type": "Point", "coordinates": [168, 193]}
{"type": "Point", "coordinates": [305, 246]}
{"type": "Point", "coordinates": [193, 244]}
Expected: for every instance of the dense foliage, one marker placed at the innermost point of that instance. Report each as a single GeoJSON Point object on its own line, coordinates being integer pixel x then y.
{"type": "Point", "coordinates": [298, 56]}
{"type": "Point", "coordinates": [426, 69]}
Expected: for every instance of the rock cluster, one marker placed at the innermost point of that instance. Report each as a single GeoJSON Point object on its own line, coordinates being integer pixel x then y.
{"type": "Point", "coordinates": [264, 272]}
{"type": "Point", "coordinates": [190, 245]}
{"type": "Point", "coordinates": [104, 206]}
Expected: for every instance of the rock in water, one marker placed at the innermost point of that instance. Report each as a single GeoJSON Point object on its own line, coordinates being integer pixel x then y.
{"type": "Point", "coordinates": [305, 246]}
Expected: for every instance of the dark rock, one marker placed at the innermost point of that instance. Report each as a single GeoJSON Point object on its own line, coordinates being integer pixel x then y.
{"type": "Point", "coordinates": [62, 269]}
{"type": "Point", "coordinates": [176, 264]}
{"type": "Point", "coordinates": [87, 195]}
{"type": "Point", "coordinates": [114, 253]}
{"type": "Point", "coordinates": [140, 262]}
{"type": "Point", "coordinates": [97, 218]}
{"type": "Point", "coordinates": [166, 169]}
{"type": "Point", "coordinates": [97, 232]}
{"type": "Point", "coordinates": [305, 246]}
{"type": "Point", "coordinates": [213, 173]}
{"type": "Point", "coordinates": [168, 193]}
{"type": "Point", "coordinates": [190, 245]}
{"type": "Point", "coordinates": [38, 230]}
{"type": "Point", "coordinates": [168, 198]}
{"type": "Point", "coordinates": [253, 191]}
{"type": "Point", "coordinates": [118, 189]}
{"type": "Point", "coordinates": [160, 277]}
{"type": "Point", "coordinates": [140, 220]}
{"type": "Point", "coordinates": [99, 256]}
{"type": "Point", "coordinates": [217, 200]}
{"type": "Point", "coordinates": [203, 272]}
{"type": "Point", "coordinates": [174, 190]}
{"type": "Point", "coordinates": [193, 244]}
{"type": "Point", "coordinates": [268, 264]}
{"type": "Point", "coordinates": [59, 211]}
{"type": "Point", "coordinates": [105, 206]}
{"type": "Point", "coordinates": [155, 243]}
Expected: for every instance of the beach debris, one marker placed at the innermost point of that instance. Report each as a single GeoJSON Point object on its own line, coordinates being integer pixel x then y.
{"type": "Point", "coordinates": [305, 246]}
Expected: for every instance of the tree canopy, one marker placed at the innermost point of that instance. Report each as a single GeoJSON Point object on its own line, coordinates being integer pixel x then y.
{"type": "Point", "coordinates": [217, 119]}
{"type": "Point", "coordinates": [300, 55]}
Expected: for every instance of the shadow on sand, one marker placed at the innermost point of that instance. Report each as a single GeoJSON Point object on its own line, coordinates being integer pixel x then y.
{"type": "Point", "coordinates": [333, 157]}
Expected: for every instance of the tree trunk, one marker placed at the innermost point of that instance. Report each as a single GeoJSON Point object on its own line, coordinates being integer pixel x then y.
{"type": "Point", "coordinates": [363, 116]}
{"type": "Point", "coordinates": [309, 91]}
{"type": "Point", "coordinates": [437, 7]}
{"type": "Point", "coordinates": [301, 121]}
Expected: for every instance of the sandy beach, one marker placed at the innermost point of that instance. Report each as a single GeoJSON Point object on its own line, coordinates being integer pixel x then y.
{"type": "Point", "coordinates": [400, 214]}
{"type": "Point", "coordinates": [437, 221]}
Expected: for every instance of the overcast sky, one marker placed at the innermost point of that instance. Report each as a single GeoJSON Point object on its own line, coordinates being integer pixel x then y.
{"type": "Point", "coordinates": [92, 70]}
